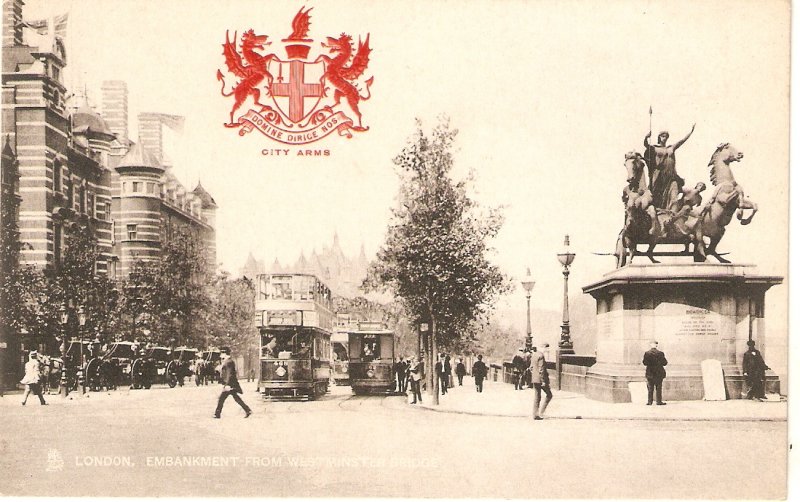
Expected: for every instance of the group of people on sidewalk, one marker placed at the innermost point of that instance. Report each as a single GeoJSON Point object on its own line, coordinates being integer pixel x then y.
{"type": "Point", "coordinates": [410, 371]}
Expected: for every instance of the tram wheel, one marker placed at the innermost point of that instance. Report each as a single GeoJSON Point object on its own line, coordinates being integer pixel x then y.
{"type": "Point", "coordinates": [172, 382]}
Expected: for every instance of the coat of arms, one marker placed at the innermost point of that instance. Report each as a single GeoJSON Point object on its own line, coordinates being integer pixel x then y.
{"type": "Point", "coordinates": [297, 100]}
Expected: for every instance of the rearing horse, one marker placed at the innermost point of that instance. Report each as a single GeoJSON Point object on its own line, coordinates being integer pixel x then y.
{"type": "Point", "coordinates": [727, 199]}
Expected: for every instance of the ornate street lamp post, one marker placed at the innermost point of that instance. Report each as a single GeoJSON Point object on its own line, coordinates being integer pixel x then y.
{"type": "Point", "coordinates": [82, 368]}
{"type": "Point", "coordinates": [565, 258]}
{"type": "Point", "coordinates": [63, 318]}
{"type": "Point", "coordinates": [527, 284]}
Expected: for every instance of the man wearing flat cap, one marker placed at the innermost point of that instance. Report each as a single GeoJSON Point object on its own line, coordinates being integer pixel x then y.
{"type": "Point", "coordinates": [654, 361]}
{"type": "Point", "coordinates": [753, 368]}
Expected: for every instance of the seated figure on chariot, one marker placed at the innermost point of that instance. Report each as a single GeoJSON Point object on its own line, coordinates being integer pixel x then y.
{"type": "Point", "coordinates": [690, 199]}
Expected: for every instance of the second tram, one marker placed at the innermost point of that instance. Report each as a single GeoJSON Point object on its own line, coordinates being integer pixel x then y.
{"type": "Point", "coordinates": [371, 349]}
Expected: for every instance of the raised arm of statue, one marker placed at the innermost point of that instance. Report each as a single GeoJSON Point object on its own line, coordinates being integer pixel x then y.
{"type": "Point", "coordinates": [646, 141]}
{"type": "Point", "coordinates": [682, 141]}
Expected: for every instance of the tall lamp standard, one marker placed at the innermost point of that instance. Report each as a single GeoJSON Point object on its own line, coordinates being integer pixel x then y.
{"type": "Point", "coordinates": [82, 369]}
{"type": "Point", "coordinates": [63, 318]}
{"type": "Point", "coordinates": [565, 258]}
{"type": "Point", "coordinates": [527, 284]}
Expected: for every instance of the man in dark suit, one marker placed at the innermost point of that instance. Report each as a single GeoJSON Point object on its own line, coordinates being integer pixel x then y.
{"type": "Point", "coordinates": [461, 370]}
{"type": "Point", "coordinates": [655, 373]}
{"type": "Point", "coordinates": [479, 372]}
{"type": "Point", "coordinates": [518, 366]}
{"type": "Point", "coordinates": [439, 370]}
{"type": "Point", "coordinates": [753, 368]}
{"type": "Point", "coordinates": [400, 372]}
{"type": "Point", "coordinates": [230, 384]}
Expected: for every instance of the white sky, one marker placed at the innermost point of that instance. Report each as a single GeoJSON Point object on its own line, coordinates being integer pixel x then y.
{"type": "Point", "coordinates": [548, 97]}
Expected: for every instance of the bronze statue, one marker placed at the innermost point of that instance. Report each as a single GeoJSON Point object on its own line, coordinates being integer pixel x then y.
{"type": "Point", "coordinates": [684, 221]}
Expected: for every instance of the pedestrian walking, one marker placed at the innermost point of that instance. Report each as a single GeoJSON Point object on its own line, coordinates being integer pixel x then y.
{"type": "Point", "coordinates": [33, 378]}
{"type": "Point", "coordinates": [518, 367]}
{"type": "Point", "coordinates": [753, 368]}
{"type": "Point", "coordinates": [479, 372]}
{"type": "Point", "coordinates": [654, 361]}
{"type": "Point", "coordinates": [415, 375]}
{"type": "Point", "coordinates": [230, 384]}
{"type": "Point", "coordinates": [461, 370]}
{"type": "Point", "coordinates": [541, 382]}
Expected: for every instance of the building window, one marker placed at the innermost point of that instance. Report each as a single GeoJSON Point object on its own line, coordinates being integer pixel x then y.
{"type": "Point", "coordinates": [92, 210]}
{"type": "Point", "coordinates": [108, 211]}
{"type": "Point", "coordinates": [82, 198]}
{"type": "Point", "coordinates": [68, 189]}
{"type": "Point", "coordinates": [137, 186]}
{"type": "Point", "coordinates": [57, 177]}
{"type": "Point", "coordinates": [132, 232]}
{"type": "Point", "coordinates": [124, 187]}
{"type": "Point", "coordinates": [57, 243]}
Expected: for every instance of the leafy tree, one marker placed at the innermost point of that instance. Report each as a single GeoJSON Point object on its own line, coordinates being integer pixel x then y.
{"type": "Point", "coordinates": [139, 307]}
{"type": "Point", "coordinates": [228, 320]}
{"type": "Point", "coordinates": [75, 283]}
{"type": "Point", "coordinates": [19, 284]}
{"type": "Point", "coordinates": [435, 255]}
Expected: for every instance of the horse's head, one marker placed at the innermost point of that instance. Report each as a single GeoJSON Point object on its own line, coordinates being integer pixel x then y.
{"type": "Point", "coordinates": [726, 153]}
{"type": "Point", "coordinates": [634, 163]}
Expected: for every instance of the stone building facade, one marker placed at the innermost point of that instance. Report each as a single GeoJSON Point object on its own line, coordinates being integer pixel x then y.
{"type": "Point", "coordinates": [64, 168]}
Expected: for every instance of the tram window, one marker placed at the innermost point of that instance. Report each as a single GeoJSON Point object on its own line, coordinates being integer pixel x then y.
{"type": "Point", "coordinates": [282, 291]}
{"type": "Point", "coordinates": [370, 348]}
{"type": "Point", "coordinates": [285, 345]}
{"type": "Point", "coordinates": [263, 285]}
{"type": "Point", "coordinates": [339, 352]}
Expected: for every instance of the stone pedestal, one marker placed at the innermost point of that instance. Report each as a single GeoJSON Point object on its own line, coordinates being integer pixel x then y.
{"type": "Point", "coordinates": [695, 311]}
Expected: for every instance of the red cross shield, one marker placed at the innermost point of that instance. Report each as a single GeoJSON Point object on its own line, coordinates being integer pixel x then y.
{"type": "Point", "coordinates": [297, 87]}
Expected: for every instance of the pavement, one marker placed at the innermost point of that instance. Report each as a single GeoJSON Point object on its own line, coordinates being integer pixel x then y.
{"type": "Point", "coordinates": [500, 399]}
{"type": "Point", "coordinates": [164, 442]}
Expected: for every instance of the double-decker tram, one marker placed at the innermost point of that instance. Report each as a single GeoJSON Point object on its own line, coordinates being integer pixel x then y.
{"type": "Point", "coordinates": [371, 349]}
{"type": "Point", "coordinates": [294, 318]}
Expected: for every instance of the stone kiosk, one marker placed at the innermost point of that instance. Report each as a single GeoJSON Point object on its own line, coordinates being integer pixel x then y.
{"type": "Point", "coordinates": [696, 311]}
